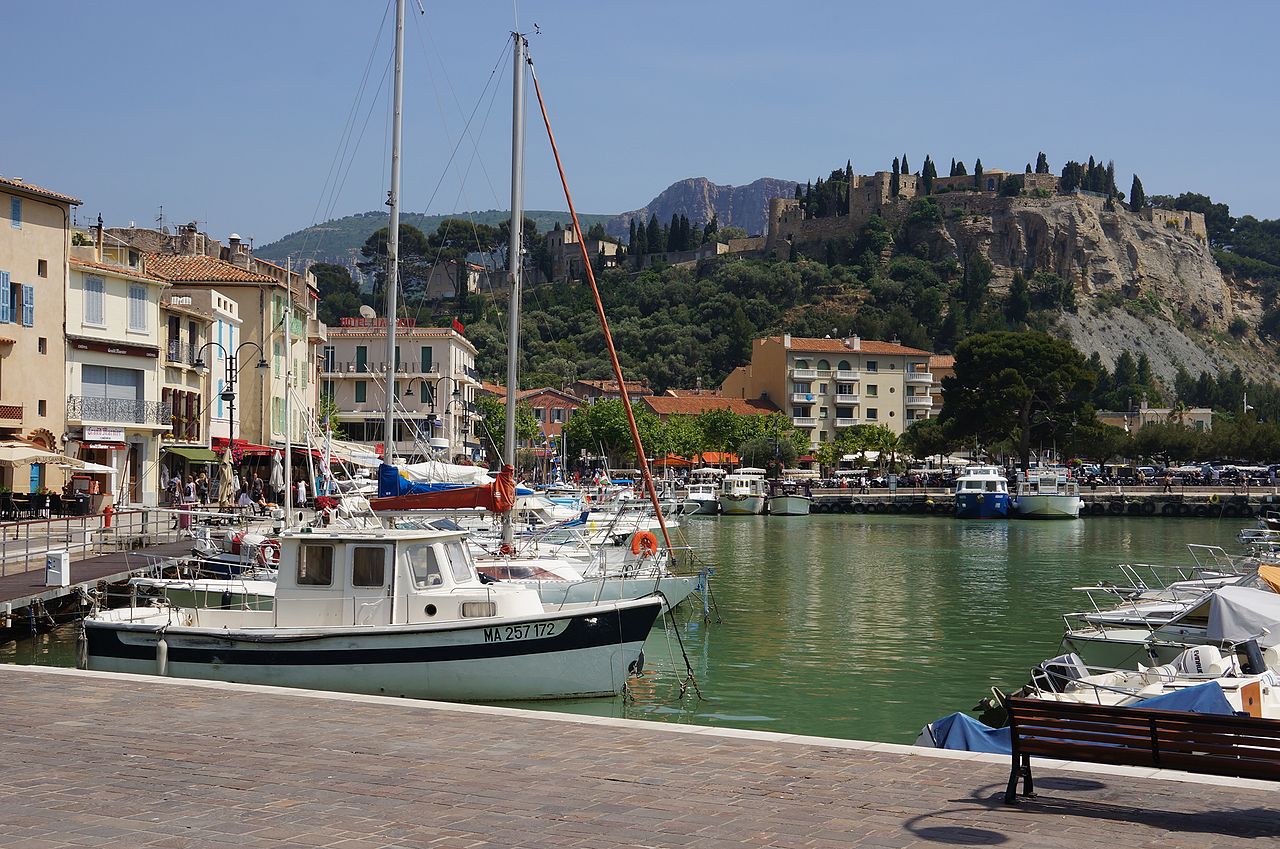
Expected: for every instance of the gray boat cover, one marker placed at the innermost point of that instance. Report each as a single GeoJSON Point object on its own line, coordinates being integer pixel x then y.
{"type": "Point", "coordinates": [1237, 614]}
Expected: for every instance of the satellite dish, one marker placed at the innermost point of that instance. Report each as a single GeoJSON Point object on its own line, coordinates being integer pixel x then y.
{"type": "Point", "coordinates": [367, 311]}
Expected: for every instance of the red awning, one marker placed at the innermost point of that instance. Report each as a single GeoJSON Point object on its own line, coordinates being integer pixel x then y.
{"type": "Point", "coordinates": [219, 443]}
{"type": "Point", "coordinates": [103, 446]}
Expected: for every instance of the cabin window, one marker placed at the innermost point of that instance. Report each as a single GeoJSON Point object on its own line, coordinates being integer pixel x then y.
{"type": "Point", "coordinates": [453, 554]}
{"type": "Point", "coordinates": [315, 566]}
{"type": "Point", "coordinates": [422, 562]}
{"type": "Point", "coordinates": [368, 567]}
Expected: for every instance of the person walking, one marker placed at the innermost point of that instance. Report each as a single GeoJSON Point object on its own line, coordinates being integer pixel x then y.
{"type": "Point", "coordinates": [301, 488]}
{"type": "Point", "coordinates": [188, 503]}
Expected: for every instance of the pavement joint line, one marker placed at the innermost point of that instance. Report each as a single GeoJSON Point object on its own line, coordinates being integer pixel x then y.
{"type": "Point", "coordinates": [645, 725]}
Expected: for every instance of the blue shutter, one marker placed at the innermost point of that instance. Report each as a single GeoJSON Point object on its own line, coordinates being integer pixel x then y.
{"type": "Point", "coordinates": [15, 213]}
{"type": "Point", "coordinates": [5, 318]}
{"type": "Point", "coordinates": [28, 306]}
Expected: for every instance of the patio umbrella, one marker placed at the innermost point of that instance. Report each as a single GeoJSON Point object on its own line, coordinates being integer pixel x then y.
{"type": "Point", "coordinates": [16, 453]}
{"type": "Point", "coordinates": [86, 467]}
{"type": "Point", "coordinates": [277, 473]}
{"type": "Point", "coordinates": [227, 481]}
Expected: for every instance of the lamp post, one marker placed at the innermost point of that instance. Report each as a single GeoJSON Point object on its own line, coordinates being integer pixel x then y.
{"type": "Point", "coordinates": [431, 396]}
{"type": "Point", "coordinates": [232, 375]}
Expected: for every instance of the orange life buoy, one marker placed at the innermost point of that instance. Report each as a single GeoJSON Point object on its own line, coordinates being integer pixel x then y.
{"type": "Point", "coordinates": [644, 543]}
{"type": "Point", "coordinates": [269, 554]}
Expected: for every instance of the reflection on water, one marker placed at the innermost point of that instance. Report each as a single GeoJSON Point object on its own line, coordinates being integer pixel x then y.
{"type": "Point", "coordinates": [862, 627]}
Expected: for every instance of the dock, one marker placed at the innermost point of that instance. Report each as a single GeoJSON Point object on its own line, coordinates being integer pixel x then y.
{"type": "Point", "coordinates": [123, 760]}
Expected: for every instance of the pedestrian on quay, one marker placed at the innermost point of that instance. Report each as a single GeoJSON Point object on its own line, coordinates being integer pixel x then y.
{"type": "Point", "coordinates": [202, 488]}
{"type": "Point", "coordinates": [188, 503]}
{"type": "Point", "coordinates": [1168, 482]}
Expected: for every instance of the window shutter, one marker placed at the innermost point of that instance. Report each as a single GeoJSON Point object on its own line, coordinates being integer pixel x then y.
{"type": "Point", "coordinates": [15, 213]}
{"type": "Point", "coordinates": [5, 318]}
{"type": "Point", "coordinates": [28, 306]}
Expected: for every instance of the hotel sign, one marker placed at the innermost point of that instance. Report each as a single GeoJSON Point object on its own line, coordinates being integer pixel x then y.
{"type": "Point", "coordinates": [93, 433]}
{"type": "Point", "coordinates": [376, 322]}
{"type": "Point", "coordinates": [114, 348]}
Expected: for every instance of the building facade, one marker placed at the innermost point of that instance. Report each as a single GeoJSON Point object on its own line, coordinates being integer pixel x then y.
{"type": "Point", "coordinates": [826, 385]}
{"type": "Point", "coordinates": [35, 250]}
{"type": "Point", "coordinates": [566, 254]}
{"type": "Point", "coordinates": [435, 385]}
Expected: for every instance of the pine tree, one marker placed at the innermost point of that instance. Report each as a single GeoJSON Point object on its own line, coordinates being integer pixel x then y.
{"type": "Point", "coordinates": [1042, 164]}
{"type": "Point", "coordinates": [654, 237]}
{"type": "Point", "coordinates": [905, 168]}
{"type": "Point", "coordinates": [1137, 197]}
{"type": "Point", "coordinates": [977, 173]}
{"type": "Point", "coordinates": [893, 179]}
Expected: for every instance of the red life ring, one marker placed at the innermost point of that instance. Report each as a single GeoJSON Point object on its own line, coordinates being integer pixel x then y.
{"type": "Point", "coordinates": [269, 554]}
{"type": "Point", "coordinates": [644, 543]}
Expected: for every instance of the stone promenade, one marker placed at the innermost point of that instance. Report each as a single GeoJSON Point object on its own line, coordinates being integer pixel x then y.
{"type": "Point", "coordinates": [128, 761]}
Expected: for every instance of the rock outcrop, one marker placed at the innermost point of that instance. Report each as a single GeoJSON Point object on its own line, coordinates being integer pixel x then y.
{"type": "Point", "coordinates": [698, 199]}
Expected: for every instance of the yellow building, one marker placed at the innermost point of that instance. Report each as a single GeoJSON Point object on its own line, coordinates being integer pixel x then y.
{"type": "Point", "coordinates": [826, 385]}
{"type": "Point", "coordinates": [35, 247]}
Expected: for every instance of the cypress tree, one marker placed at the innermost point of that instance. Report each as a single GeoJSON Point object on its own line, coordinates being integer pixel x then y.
{"type": "Point", "coordinates": [654, 237]}
{"type": "Point", "coordinates": [953, 167]}
{"type": "Point", "coordinates": [1019, 303]}
{"type": "Point", "coordinates": [958, 170]}
{"type": "Point", "coordinates": [977, 173]}
{"type": "Point", "coordinates": [673, 234]}
{"type": "Point", "coordinates": [893, 179]}
{"type": "Point", "coordinates": [631, 236]}
{"type": "Point", "coordinates": [664, 239]}
{"type": "Point", "coordinates": [1111, 189]}
{"type": "Point", "coordinates": [905, 168]}
{"type": "Point", "coordinates": [1137, 197]}
{"type": "Point", "coordinates": [640, 244]}
{"type": "Point", "coordinates": [1042, 164]}
{"type": "Point", "coordinates": [808, 199]}
{"type": "Point", "coordinates": [710, 231]}
{"type": "Point", "coordinates": [927, 174]}
{"type": "Point", "coordinates": [1028, 167]}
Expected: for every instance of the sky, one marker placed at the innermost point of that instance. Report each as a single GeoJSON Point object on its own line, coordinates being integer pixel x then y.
{"type": "Point", "coordinates": [237, 114]}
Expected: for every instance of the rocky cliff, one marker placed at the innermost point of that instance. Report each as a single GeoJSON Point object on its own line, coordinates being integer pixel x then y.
{"type": "Point", "coordinates": [698, 199]}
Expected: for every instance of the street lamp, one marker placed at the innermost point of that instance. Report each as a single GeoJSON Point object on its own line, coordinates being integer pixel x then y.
{"type": "Point", "coordinates": [231, 361]}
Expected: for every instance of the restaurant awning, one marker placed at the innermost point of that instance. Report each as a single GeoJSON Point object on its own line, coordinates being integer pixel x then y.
{"type": "Point", "coordinates": [194, 455]}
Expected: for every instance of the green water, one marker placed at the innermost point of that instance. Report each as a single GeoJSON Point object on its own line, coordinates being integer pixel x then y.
{"type": "Point", "coordinates": [861, 627]}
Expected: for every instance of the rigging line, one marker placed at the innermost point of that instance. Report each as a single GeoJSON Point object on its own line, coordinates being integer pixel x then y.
{"type": "Point", "coordinates": [444, 70]}
{"type": "Point", "coordinates": [345, 137]}
{"type": "Point", "coordinates": [363, 127]}
{"type": "Point", "coordinates": [604, 321]}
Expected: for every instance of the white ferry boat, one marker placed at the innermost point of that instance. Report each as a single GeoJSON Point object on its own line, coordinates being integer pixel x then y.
{"type": "Point", "coordinates": [1047, 494]}
{"type": "Point", "coordinates": [743, 493]}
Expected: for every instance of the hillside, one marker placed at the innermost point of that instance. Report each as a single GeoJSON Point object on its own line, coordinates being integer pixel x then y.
{"type": "Point", "coordinates": [698, 199]}
{"type": "Point", "coordinates": [340, 240]}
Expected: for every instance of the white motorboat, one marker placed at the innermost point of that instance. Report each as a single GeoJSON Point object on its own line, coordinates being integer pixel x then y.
{"type": "Point", "coordinates": [387, 612]}
{"type": "Point", "coordinates": [789, 498]}
{"type": "Point", "coordinates": [743, 493]}
{"type": "Point", "coordinates": [703, 494]}
{"type": "Point", "coordinates": [1047, 494]}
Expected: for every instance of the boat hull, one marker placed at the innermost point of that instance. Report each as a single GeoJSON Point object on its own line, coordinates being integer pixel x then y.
{"type": "Point", "coordinates": [789, 505]}
{"type": "Point", "coordinates": [700, 507]}
{"type": "Point", "coordinates": [742, 505]}
{"type": "Point", "coordinates": [585, 652]}
{"type": "Point", "coordinates": [674, 589]}
{"type": "Point", "coordinates": [982, 505]}
{"type": "Point", "coordinates": [1048, 506]}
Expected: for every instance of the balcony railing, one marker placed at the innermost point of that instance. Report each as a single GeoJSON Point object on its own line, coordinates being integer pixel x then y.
{"type": "Point", "coordinates": [120, 410]}
{"type": "Point", "coordinates": [804, 421]}
{"type": "Point", "coordinates": [848, 399]}
{"type": "Point", "coordinates": [351, 367]}
{"type": "Point", "coordinates": [802, 398]}
{"type": "Point", "coordinates": [846, 422]}
{"type": "Point", "coordinates": [804, 373]}
{"type": "Point", "coordinates": [847, 375]}
{"type": "Point", "coordinates": [920, 377]}
{"type": "Point", "coordinates": [919, 400]}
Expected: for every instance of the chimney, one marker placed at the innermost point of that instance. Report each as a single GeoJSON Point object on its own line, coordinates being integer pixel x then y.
{"type": "Point", "coordinates": [857, 342]}
{"type": "Point", "coordinates": [698, 386]}
{"type": "Point", "coordinates": [786, 340]}
{"type": "Point", "coordinates": [97, 240]}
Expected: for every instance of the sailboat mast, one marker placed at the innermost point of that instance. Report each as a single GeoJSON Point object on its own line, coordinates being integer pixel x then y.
{"type": "Point", "coordinates": [393, 243]}
{"type": "Point", "coordinates": [514, 257]}
{"type": "Point", "coordinates": [288, 391]}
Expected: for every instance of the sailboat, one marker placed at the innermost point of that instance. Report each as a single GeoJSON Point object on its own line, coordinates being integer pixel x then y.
{"type": "Point", "coordinates": [366, 609]}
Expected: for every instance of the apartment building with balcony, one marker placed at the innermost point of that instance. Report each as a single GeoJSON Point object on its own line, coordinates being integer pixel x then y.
{"type": "Point", "coordinates": [435, 385]}
{"type": "Point", "coordinates": [184, 387]}
{"type": "Point", "coordinates": [115, 413]}
{"type": "Point", "coordinates": [826, 385]}
{"type": "Point", "coordinates": [35, 247]}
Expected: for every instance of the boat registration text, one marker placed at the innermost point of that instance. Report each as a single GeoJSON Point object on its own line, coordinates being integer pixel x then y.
{"type": "Point", "coordinates": [531, 631]}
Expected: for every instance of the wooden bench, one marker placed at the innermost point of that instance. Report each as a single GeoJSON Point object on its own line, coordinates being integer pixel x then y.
{"type": "Point", "coordinates": [1239, 746]}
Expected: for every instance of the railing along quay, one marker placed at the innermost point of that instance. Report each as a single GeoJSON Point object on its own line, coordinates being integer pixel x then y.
{"type": "Point", "coordinates": [1152, 501]}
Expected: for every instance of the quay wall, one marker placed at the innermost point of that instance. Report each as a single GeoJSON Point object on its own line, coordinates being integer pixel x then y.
{"type": "Point", "coordinates": [1099, 503]}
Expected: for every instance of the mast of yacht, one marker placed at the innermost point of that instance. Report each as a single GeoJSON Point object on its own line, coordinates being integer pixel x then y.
{"type": "Point", "coordinates": [288, 392]}
{"type": "Point", "coordinates": [514, 258]}
{"type": "Point", "coordinates": [393, 243]}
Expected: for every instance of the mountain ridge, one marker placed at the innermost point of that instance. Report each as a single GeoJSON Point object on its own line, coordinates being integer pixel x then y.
{"type": "Point", "coordinates": [698, 199]}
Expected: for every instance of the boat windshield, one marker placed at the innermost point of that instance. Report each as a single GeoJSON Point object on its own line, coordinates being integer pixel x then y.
{"type": "Point", "coordinates": [422, 563]}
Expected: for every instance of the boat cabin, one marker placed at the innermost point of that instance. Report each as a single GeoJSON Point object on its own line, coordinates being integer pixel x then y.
{"type": "Point", "coordinates": [744, 481]}
{"type": "Point", "coordinates": [982, 479]}
{"type": "Point", "coordinates": [391, 577]}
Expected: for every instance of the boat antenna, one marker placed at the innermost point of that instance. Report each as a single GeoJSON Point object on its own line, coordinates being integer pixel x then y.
{"type": "Point", "coordinates": [604, 322]}
{"type": "Point", "coordinates": [393, 243]}
{"type": "Point", "coordinates": [514, 246]}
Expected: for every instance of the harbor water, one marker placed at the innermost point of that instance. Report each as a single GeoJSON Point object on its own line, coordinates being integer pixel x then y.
{"type": "Point", "coordinates": [858, 627]}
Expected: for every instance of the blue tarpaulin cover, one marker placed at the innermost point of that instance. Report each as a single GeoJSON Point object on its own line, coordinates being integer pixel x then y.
{"type": "Point", "coordinates": [1203, 698]}
{"type": "Point", "coordinates": [392, 483]}
{"type": "Point", "coordinates": [963, 732]}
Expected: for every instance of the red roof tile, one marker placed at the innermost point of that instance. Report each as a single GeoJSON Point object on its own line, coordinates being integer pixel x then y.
{"type": "Point", "coordinates": [687, 405]}
{"type": "Point", "coordinates": [865, 346]}
{"type": "Point", "coordinates": [198, 269]}
{"type": "Point", "coordinates": [942, 360]}
{"type": "Point", "coordinates": [76, 262]}
{"type": "Point", "coordinates": [33, 189]}
{"type": "Point", "coordinates": [684, 393]}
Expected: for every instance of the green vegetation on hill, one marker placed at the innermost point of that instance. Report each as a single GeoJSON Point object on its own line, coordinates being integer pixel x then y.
{"type": "Point", "coordinates": [340, 239]}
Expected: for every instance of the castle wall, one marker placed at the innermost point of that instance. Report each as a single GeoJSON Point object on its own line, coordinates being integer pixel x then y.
{"type": "Point", "coordinates": [1188, 222]}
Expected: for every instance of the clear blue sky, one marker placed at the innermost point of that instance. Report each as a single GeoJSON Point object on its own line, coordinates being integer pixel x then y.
{"type": "Point", "coordinates": [231, 112]}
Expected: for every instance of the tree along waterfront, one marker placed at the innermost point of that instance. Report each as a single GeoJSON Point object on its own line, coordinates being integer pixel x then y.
{"type": "Point", "coordinates": [859, 627]}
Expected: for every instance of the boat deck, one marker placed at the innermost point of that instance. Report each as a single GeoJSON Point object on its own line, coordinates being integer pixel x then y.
{"type": "Point", "coordinates": [135, 761]}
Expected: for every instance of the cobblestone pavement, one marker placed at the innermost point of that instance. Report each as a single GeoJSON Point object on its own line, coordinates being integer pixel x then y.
{"type": "Point", "coordinates": [122, 761]}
